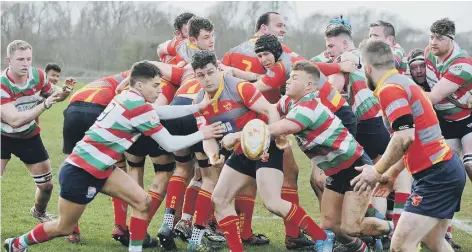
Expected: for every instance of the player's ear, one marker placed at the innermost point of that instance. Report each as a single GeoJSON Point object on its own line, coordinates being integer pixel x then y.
{"type": "Point", "coordinates": [193, 40]}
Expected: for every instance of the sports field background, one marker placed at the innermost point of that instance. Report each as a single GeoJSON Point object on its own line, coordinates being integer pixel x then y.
{"type": "Point", "coordinates": [18, 188]}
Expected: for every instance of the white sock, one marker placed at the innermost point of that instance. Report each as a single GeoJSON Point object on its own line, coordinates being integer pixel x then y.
{"type": "Point", "coordinates": [197, 235]}
{"type": "Point", "coordinates": [169, 220]}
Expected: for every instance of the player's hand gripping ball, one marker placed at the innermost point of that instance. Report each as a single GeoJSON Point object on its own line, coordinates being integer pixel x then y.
{"type": "Point", "coordinates": [255, 139]}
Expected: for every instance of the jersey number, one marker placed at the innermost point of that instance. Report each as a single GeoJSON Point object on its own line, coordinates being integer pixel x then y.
{"type": "Point", "coordinates": [228, 127]}
{"type": "Point", "coordinates": [105, 112]}
{"type": "Point", "coordinates": [248, 65]}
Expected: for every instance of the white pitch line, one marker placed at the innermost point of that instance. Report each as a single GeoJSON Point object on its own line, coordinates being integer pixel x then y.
{"type": "Point", "coordinates": [462, 224]}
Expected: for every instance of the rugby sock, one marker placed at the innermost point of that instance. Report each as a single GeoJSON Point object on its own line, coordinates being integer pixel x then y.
{"type": "Point", "coordinates": [203, 213]}
{"type": "Point", "coordinates": [156, 203]}
{"type": "Point", "coordinates": [137, 232]}
{"type": "Point", "coordinates": [203, 208]}
{"type": "Point", "coordinates": [244, 206]}
{"type": "Point", "coordinates": [120, 210]}
{"type": "Point", "coordinates": [357, 245]}
{"type": "Point", "coordinates": [230, 227]}
{"type": "Point", "coordinates": [37, 235]}
{"type": "Point", "coordinates": [372, 212]}
{"type": "Point", "coordinates": [400, 200]}
{"type": "Point", "coordinates": [449, 232]}
{"type": "Point", "coordinates": [40, 208]}
{"type": "Point", "coordinates": [297, 216]}
{"type": "Point", "coordinates": [77, 229]}
{"type": "Point", "coordinates": [291, 195]}
{"type": "Point", "coordinates": [190, 200]}
{"type": "Point", "coordinates": [175, 194]}
{"type": "Point", "coordinates": [390, 206]}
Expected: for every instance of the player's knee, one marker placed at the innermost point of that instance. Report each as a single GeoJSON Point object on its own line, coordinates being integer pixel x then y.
{"type": "Point", "coordinates": [398, 247]}
{"type": "Point", "coordinates": [145, 204]}
{"type": "Point", "coordinates": [121, 164]}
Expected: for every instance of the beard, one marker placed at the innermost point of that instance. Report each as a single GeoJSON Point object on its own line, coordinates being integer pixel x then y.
{"type": "Point", "coordinates": [370, 82]}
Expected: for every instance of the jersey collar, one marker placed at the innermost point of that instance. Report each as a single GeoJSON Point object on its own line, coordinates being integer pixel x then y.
{"type": "Point", "coordinates": [381, 82]}
{"type": "Point", "coordinates": [218, 92]}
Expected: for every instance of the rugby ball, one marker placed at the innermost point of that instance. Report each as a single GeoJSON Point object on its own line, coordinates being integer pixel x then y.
{"type": "Point", "coordinates": [255, 139]}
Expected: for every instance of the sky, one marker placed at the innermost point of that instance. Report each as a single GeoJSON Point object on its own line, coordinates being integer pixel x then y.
{"type": "Point", "coordinates": [421, 13]}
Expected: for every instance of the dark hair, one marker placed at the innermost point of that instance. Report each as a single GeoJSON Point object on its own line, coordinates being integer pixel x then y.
{"type": "Point", "coordinates": [269, 43]}
{"type": "Point", "coordinates": [143, 70]}
{"type": "Point", "coordinates": [196, 24]}
{"type": "Point", "coordinates": [445, 27]}
{"type": "Point", "coordinates": [182, 19]}
{"type": "Point", "coordinates": [388, 29]}
{"type": "Point", "coordinates": [264, 19]}
{"type": "Point", "coordinates": [415, 53]}
{"type": "Point", "coordinates": [307, 67]}
{"type": "Point", "coordinates": [202, 58]}
{"type": "Point", "coordinates": [52, 66]}
{"type": "Point", "coordinates": [378, 54]}
{"type": "Point", "coordinates": [336, 30]}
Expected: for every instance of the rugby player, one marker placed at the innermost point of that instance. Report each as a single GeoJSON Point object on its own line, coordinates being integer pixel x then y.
{"type": "Point", "coordinates": [238, 102]}
{"type": "Point", "coordinates": [325, 56]}
{"type": "Point", "coordinates": [86, 104]}
{"type": "Point", "coordinates": [201, 37]}
{"type": "Point", "coordinates": [417, 67]}
{"type": "Point", "coordinates": [371, 132]}
{"type": "Point", "coordinates": [90, 167]}
{"type": "Point", "coordinates": [324, 139]}
{"type": "Point", "coordinates": [167, 49]}
{"type": "Point", "coordinates": [53, 72]}
{"type": "Point", "coordinates": [243, 57]}
{"type": "Point", "coordinates": [22, 86]}
{"type": "Point", "coordinates": [449, 75]}
{"type": "Point", "coordinates": [385, 32]}
{"type": "Point", "coordinates": [439, 176]}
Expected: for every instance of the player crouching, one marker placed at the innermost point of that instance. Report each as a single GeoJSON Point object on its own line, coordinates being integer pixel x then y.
{"type": "Point", "coordinates": [90, 167]}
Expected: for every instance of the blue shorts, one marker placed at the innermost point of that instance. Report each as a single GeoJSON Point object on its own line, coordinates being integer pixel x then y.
{"type": "Point", "coordinates": [373, 136]}
{"type": "Point", "coordinates": [77, 185]}
{"type": "Point", "coordinates": [437, 191]}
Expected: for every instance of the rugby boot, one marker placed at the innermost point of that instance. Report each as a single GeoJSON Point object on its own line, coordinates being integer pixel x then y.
{"type": "Point", "coordinates": [296, 243]}
{"type": "Point", "coordinates": [256, 240]}
{"type": "Point", "coordinates": [121, 235]}
{"type": "Point", "coordinates": [8, 245]}
{"type": "Point", "coordinates": [183, 229]}
{"type": "Point", "coordinates": [42, 217]}
{"type": "Point", "coordinates": [166, 237]}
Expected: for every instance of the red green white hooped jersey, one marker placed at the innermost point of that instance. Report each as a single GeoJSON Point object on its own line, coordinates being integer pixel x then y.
{"type": "Point", "coordinates": [126, 117]}
{"type": "Point", "coordinates": [322, 57]}
{"type": "Point", "coordinates": [457, 68]}
{"type": "Point", "coordinates": [24, 98]}
{"type": "Point", "coordinates": [364, 104]}
{"type": "Point", "coordinates": [323, 137]}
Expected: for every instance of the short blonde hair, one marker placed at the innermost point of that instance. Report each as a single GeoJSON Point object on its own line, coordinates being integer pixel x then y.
{"type": "Point", "coordinates": [378, 54]}
{"type": "Point", "coordinates": [16, 45]}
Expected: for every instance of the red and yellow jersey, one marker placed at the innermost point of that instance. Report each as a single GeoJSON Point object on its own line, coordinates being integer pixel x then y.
{"type": "Point", "coordinates": [187, 92]}
{"type": "Point", "coordinates": [170, 50]}
{"type": "Point", "coordinates": [101, 91]}
{"type": "Point", "coordinates": [244, 58]}
{"type": "Point", "coordinates": [400, 96]}
{"type": "Point", "coordinates": [234, 98]}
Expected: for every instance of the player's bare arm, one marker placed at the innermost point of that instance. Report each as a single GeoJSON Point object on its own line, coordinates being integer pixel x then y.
{"type": "Point", "coordinates": [63, 92]}
{"type": "Point", "coordinates": [441, 90]}
{"type": "Point", "coordinates": [16, 119]}
{"type": "Point", "coordinates": [262, 106]}
{"type": "Point", "coordinates": [212, 151]}
{"type": "Point", "coordinates": [284, 127]}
